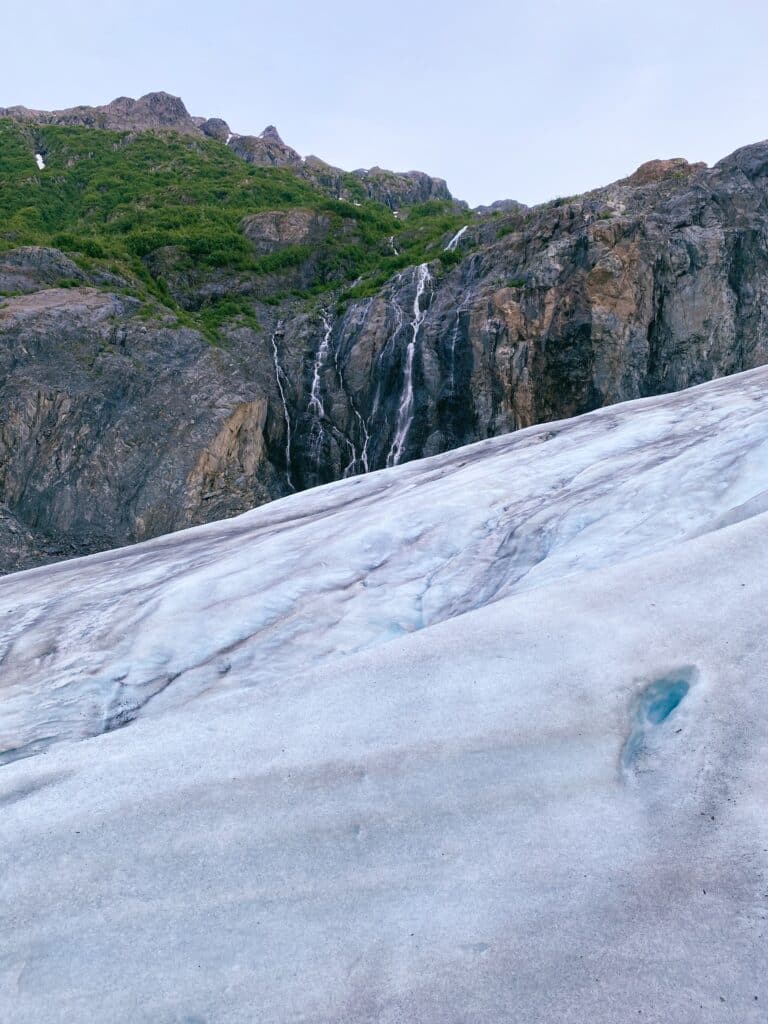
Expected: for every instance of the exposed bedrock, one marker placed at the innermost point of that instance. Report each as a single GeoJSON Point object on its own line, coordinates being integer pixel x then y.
{"type": "Point", "coordinates": [114, 429]}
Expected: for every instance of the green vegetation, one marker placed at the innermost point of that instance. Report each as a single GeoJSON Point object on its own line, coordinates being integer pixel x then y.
{"type": "Point", "coordinates": [155, 209]}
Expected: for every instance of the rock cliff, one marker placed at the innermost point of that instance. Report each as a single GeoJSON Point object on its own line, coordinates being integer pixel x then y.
{"type": "Point", "coordinates": [117, 425]}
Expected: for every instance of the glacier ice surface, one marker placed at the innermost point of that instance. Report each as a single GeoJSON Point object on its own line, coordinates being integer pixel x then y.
{"type": "Point", "coordinates": [477, 739]}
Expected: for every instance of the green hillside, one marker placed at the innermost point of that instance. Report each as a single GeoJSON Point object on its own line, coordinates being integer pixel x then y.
{"type": "Point", "coordinates": [113, 199]}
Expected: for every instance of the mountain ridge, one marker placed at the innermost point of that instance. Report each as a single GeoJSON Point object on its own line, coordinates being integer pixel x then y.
{"type": "Point", "coordinates": [160, 111]}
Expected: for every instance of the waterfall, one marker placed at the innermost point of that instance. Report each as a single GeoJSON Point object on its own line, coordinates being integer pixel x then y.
{"type": "Point", "coordinates": [391, 338]}
{"type": "Point", "coordinates": [280, 377]}
{"type": "Point", "coordinates": [455, 240]}
{"type": "Point", "coordinates": [405, 409]}
{"type": "Point", "coordinates": [40, 161]}
{"type": "Point", "coordinates": [362, 459]}
{"type": "Point", "coordinates": [462, 308]}
{"type": "Point", "coordinates": [316, 407]}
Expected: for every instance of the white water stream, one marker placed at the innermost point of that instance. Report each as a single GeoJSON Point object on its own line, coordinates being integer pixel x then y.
{"type": "Point", "coordinates": [456, 238]}
{"type": "Point", "coordinates": [405, 410]}
{"type": "Point", "coordinates": [316, 407]}
{"type": "Point", "coordinates": [454, 338]}
{"type": "Point", "coordinates": [280, 377]}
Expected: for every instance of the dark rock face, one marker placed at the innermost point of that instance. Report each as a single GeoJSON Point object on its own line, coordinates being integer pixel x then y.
{"type": "Point", "coordinates": [114, 430]}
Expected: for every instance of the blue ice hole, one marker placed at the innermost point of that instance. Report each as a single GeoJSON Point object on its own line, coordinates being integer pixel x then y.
{"type": "Point", "coordinates": [660, 699]}
{"type": "Point", "coordinates": [652, 707]}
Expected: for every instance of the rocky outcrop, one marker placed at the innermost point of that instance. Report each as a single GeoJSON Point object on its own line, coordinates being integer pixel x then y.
{"type": "Point", "coordinates": [501, 206]}
{"type": "Point", "coordinates": [265, 150]}
{"type": "Point", "coordinates": [217, 129]}
{"type": "Point", "coordinates": [275, 230]}
{"type": "Point", "coordinates": [658, 170]}
{"type": "Point", "coordinates": [115, 429]}
{"type": "Point", "coordinates": [156, 110]}
{"type": "Point", "coordinates": [30, 268]}
{"type": "Point", "coordinates": [394, 190]}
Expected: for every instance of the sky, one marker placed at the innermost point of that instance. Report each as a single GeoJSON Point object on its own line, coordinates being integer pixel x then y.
{"type": "Point", "coordinates": [526, 101]}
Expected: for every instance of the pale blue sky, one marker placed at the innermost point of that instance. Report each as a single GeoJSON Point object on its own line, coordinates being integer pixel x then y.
{"type": "Point", "coordinates": [519, 100]}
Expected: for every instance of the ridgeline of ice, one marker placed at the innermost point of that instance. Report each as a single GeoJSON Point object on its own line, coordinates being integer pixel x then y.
{"type": "Point", "coordinates": [479, 738]}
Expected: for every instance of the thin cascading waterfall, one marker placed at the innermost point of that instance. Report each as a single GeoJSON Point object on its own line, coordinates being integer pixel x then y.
{"type": "Point", "coordinates": [280, 377]}
{"type": "Point", "coordinates": [349, 469]}
{"type": "Point", "coordinates": [316, 407]}
{"type": "Point", "coordinates": [456, 239]}
{"type": "Point", "coordinates": [454, 338]}
{"type": "Point", "coordinates": [390, 340]}
{"type": "Point", "coordinates": [406, 408]}
{"type": "Point", "coordinates": [362, 458]}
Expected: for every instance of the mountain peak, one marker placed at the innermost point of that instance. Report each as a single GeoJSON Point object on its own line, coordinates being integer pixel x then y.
{"type": "Point", "coordinates": [157, 107]}
{"type": "Point", "coordinates": [271, 134]}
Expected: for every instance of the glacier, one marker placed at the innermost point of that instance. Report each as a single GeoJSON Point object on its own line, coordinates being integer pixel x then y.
{"type": "Point", "coordinates": [481, 738]}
